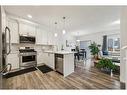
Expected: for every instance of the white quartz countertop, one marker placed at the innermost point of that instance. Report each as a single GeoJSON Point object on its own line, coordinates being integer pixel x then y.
{"type": "Point", "coordinates": [59, 52]}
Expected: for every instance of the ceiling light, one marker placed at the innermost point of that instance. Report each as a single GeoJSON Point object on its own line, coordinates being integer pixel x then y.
{"type": "Point", "coordinates": [78, 40]}
{"type": "Point", "coordinates": [64, 25]}
{"type": "Point", "coordinates": [116, 22]}
{"type": "Point", "coordinates": [29, 16]}
{"type": "Point", "coordinates": [55, 34]}
{"type": "Point", "coordinates": [64, 31]}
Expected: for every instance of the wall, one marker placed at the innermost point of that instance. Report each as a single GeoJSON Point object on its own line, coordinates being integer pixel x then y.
{"type": "Point", "coordinates": [98, 37]}
{"type": "Point", "coordinates": [123, 68]}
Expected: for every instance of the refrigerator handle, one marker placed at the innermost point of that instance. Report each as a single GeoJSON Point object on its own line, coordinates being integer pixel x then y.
{"type": "Point", "coordinates": [7, 29]}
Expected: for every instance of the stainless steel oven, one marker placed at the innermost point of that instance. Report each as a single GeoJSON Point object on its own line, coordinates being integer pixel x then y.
{"type": "Point", "coordinates": [28, 58]}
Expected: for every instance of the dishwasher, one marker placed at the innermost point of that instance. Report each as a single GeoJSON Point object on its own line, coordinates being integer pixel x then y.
{"type": "Point", "coordinates": [59, 63]}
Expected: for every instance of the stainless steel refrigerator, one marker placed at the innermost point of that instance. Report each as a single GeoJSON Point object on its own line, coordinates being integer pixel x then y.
{"type": "Point", "coordinates": [5, 48]}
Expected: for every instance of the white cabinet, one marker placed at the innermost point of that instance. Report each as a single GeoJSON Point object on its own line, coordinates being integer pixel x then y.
{"type": "Point", "coordinates": [40, 58]}
{"type": "Point", "coordinates": [27, 29]}
{"type": "Point", "coordinates": [50, 38]}
{"type": "Point", "coordinates": [13, 59]}
{"type": "Point", "coordinates": [41, 36]}
{"type": "Point", "coordinates": [14, 29]}
{"type": "Point", "coordinates": [50, 60]}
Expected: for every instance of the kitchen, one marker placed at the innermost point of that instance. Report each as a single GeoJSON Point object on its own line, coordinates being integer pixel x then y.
{"type": "Point", "coordinates": [40, 48]}
{"type": "Point", "coordinates": [30, 45]}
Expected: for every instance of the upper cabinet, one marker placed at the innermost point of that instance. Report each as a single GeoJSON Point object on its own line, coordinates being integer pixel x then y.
{"type": "Point", "coordinates": [27, 29]}
{"type": "Point", "coordinates": [41, 36]}
{"type": "Point", "coordinates": [50, 38]}
{"type": "Point", "coordinates": [23, 27]}
{"type": "Point", "coordinates": [13, 26]}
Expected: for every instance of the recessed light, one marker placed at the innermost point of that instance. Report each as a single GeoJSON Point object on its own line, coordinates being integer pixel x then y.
{"type": "Point", "coordinates": [64, 31]}
{"type": "Point", "coordinates": [29, 16]}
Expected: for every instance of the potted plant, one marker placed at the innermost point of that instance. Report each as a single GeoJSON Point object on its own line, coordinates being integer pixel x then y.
{"type": "Point", "coordinates": [94, 49]}
{"type": "Point", "coordinates": [106, 65]}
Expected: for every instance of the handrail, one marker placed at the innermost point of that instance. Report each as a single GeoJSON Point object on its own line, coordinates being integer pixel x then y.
{"type": "Point", "coordinates": [6, 67]}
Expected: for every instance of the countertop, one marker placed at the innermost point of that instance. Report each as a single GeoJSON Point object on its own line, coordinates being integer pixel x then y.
{"type": "Point", "coordinates": [59, 52]}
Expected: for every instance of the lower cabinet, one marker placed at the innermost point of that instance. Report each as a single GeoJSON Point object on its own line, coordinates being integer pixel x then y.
{"type": "Point", "coordinates": [40, 58]}
{"type": "Point", "coordinates": [50, 60]}
{"type": "Point", "coordinates": [13, 59]}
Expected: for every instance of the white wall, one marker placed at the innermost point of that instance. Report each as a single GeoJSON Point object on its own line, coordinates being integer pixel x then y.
{"type": "Point", "coordinates": [98, 37]}
{"type": "Point", "coordinates": [123, 68]}
{"type": "Point", "coordinates": [61, 40]}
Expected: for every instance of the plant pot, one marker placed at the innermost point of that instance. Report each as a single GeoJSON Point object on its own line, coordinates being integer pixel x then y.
{"type": "Point", "coordinates": [106, 70]}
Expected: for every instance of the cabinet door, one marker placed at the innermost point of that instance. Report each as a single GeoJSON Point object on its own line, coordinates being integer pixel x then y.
{"type": "Point", "coordinates": [27, 29]}
{"type": "Point", "coordinates": [50, 38]}
{"type": "Point", "coordinates": [13, 26]}
{"type": "Point", "coordinates": [13, 59]}
{"type": "Point", "coordinates": [41, 36]}
{"type": "Point", "coordinates": [23, 29]}
{"type": "Point", "coordinates": [31, 29]}
{"type": "Point", "coordinates": [50, 60]}
{"type": "Point", "coordinates": [40, 58]}
{"type": "Point", "coordinates": [44, 36]}
{"type": "Point", "coordinates": [45, 58]}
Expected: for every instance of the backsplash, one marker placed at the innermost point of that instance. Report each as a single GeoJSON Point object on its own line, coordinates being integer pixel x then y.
{"type": "Point", "coordinates": [38, 48]}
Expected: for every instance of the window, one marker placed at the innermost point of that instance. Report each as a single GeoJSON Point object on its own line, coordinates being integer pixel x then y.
{"type": "Point", "coordinates": [113, 42]}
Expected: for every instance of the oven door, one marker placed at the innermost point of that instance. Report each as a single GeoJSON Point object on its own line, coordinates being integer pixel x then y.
{"type": "Point", "coordinates": [29, 60]}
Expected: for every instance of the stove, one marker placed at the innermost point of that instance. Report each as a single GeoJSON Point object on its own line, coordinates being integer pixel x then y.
{"type": "Point", "coordinates": [28, 57]}
{"type": "Point", "coordinates": [26, 52]}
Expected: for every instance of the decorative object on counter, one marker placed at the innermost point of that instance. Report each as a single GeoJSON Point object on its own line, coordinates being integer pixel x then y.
{"type": "Point", "coordinates": [106, 65]}
{"type": "Point", "coordinates": [94, 49]}
{"type": "Point", "coordinates": [67, 44]}
{"type": "Point", "coordinates": [62, 47]}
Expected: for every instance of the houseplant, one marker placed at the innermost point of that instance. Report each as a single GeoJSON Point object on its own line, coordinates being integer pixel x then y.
{"type": "Point", "coordinates": [106, 65]}
{"type": "Point", "coordinates": [94, 49]}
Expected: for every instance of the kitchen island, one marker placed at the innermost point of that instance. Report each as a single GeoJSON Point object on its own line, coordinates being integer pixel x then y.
{"type": "Point", "coordinates": [62, 62]}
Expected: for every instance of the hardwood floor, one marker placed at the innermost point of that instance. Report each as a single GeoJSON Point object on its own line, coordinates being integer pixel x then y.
{"type": "Point", "coordinates": [82, 78]}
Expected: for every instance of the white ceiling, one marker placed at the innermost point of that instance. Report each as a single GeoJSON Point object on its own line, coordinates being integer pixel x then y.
{"type": "Point", "coordinates": [82, 19]}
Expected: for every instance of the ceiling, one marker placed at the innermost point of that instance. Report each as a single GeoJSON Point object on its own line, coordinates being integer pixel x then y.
{"type": "Point", "coordinates": [79, 20]}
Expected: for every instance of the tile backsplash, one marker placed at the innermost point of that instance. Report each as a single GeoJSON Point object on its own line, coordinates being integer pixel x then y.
{"type": "Point", "coordinates": [39, 48]}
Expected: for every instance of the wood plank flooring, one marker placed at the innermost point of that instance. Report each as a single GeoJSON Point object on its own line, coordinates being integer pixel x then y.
{"type": "Point", "coordinates": [80, 79]}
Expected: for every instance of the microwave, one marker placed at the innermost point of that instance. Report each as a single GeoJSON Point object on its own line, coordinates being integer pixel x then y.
{"type": "Point", "coordinates": [27, 39]}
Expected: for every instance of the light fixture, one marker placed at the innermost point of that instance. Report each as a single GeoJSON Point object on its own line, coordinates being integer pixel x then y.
{"type": "Point", "coordinates": [78, 37]}
{"type": "Point", "coordinates": [64, 32]}
{"type": "Point", "coordinates": [116, 22]}
{"type": "Point", "coordinates": [55, 30]}
{"type": "Point", "coordinates": [29, 16]}
{"type": "Point", "coordinates": [78, 40]}
{"type": "Point", "coordinates": [55, 34]}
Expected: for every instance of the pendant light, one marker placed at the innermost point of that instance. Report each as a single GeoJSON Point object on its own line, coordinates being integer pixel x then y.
{"type": "Point", "coordinates": [78, 37]}
{"type": "Point", "coordinates": [64, 31]}
{"type": "Point", "coordinates": [55, 30]}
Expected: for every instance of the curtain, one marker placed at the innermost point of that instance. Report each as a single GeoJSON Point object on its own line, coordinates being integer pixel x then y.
{"type": "Point", "coordinates": [104, 46]}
